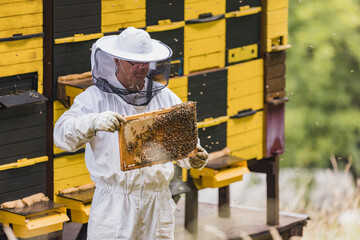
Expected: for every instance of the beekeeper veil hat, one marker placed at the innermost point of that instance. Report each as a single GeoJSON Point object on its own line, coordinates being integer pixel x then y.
{"type": "Point", "coordinates": [133, 45]}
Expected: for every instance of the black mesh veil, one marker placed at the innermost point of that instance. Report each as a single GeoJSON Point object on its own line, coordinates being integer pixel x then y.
{"type": "Point", "coordinates": [104, 69]}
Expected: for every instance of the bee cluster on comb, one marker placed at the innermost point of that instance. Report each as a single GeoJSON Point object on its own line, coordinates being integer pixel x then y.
{"type": "Point", "coordinates": [158, 137]}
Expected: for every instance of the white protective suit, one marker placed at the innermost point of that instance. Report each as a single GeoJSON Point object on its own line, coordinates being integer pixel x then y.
{"type": "Point", "coordinates": [136, 204]}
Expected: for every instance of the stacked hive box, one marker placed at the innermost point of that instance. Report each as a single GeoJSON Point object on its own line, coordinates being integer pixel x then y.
{"type": "Point", "coordinates": [23, 119]}
{"type": "Point", "coordinates": [218, 62]}
{"type": "Point", "coordinates": [275, 43]}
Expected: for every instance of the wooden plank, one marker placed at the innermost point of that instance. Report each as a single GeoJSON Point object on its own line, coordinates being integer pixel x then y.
{"type": "Point", "coordinates": [242, 31]}
{"type": "Point", "coordinates": [70, 171]}
{"type": "Point", "coordinates": [17, 122]}
{"type": "Point", "coordinates": [18, 172]}
{"type": "Point", "coordinates": [85, 25]}
{"type": "Point", "coordinates": [21, 68]}
{"type": "Point", "coordinates": [68, 160]}
{"type": "Point", "coordinates": [211, 109]}
{"type": "Point", "coordinates": [243, 219]}
{"type": "Point", "coordinates": [23, 31]}
{"type": "Point", "coordinates": [20, 148]}
{"type": "Point", "coordinates": [22, 56]}
{"type": "Point", "coordinates": [77, 10]}
{"type": "Point", "coordinates": [18, 45]}
{"type": "Point", "coordinates": [71, 182]}
{"type": "Point", "coordinates": [160, 10]}
{"type": "Point", "coordinates": [21, 8]}
{"type": "Point", "coordinates": [22, 134]}
{"type": "Point", "coordinates": [213, 138]}
{"type": "Point", "coordinates": [275, 58]}
{"type": "Point", "coordinates": [21, 156]}
{"type": "Point", "coordinates": [71, 2]}
{"type": "Point", "coordinates": [21, 21]}
{"type": "Point", "coordinates": [23, 182]}
{"type": "Point", "coordinates": [9, 196]}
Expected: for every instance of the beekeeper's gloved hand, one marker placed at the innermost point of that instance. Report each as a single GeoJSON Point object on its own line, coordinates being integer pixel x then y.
{"type": "Point", "coordinates": [200, 159]}
{"type": "Point", "coordinates": [106, 121]}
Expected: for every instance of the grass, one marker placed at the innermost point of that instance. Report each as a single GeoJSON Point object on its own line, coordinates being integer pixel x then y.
{"type": "Point", "coordinates": [336, 215]}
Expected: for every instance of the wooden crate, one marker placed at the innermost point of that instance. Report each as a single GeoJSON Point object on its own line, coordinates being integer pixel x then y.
{"type": "Point", "coordinates": [158, 136]}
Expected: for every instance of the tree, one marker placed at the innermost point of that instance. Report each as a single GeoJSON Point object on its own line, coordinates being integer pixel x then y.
{"type": "Point", "coordinates": [323, 82]}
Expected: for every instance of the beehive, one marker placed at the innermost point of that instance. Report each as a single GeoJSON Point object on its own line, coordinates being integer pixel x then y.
{"type": "Point", "coordinates": [158, 137]}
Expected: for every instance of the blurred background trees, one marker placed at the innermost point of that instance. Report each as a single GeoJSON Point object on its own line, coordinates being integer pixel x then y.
{"type": "Point", "coordinates": [323, 83]}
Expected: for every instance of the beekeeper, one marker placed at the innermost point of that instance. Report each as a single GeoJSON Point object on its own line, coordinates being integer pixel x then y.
{"type": "Point", "coordinates": [136, 204]}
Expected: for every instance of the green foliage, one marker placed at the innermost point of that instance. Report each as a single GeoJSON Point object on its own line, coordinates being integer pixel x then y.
{"type": "Point", "coordinates": [323, 82]}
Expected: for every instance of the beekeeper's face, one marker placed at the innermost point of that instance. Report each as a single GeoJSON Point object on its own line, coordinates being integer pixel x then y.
{"type": "Point", "coordinates": [132, 74]}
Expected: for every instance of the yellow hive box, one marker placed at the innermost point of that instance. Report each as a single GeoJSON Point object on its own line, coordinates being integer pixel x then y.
{"type": "Point", "coordinates": [210, 34]}
{"type": "Point", "coordinates": [179, 85]}
{"type": "Point", "coordinates": [121, 14]}
{"type": "Point", "coordinates": [194, 8]}
{"type": "Point", "coordinates": [245, 136]}
{"type": "Point", "coordinates": [219, 177]}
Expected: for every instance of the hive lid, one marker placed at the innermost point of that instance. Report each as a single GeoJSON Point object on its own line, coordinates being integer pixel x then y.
{"type": "Point", "coordinates": [23, 98]}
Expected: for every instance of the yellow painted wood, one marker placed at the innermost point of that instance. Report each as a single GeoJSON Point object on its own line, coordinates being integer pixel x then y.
{"type": "Point", "coordinates": [71, 182]}
{"type": "Point", "coordinates": [246, 87]}
{"type": "Point", "coordinates": [254, 101]}
{"type": "Point", "coordinates": [204, 30]}
{"type": "Point", "coordinates": [79, 38]}
{"type": "Point", "coordinates": [108, 6]}
{"type": "Point", "coordinates": [21, 56]}
{"type": "Point", "coordinates": [194, 8]}
{"type": "Point", "coordinates": [243, 11]}
{"type": "Point", "coordinates": [165, 25]}
{"type": "Point", "coordinates": [123, 19]}
{"type": "Point", "coordinates": [210, 178]}
{"type": "Point", "coordinates": [21, 68]}
{"type": "Point", "coordinates": [272, 5]}
{"type": "Point", "coordinates": [21, 231]}
{"type": "Point", "coordinates": [80, 216]}
{"type": "Point", "coordinates": [23, 31]}
{"type": "Point", "coordinates": [277, 35]}
{"type": "Point", "coordinates": [70, 171]}
{"type": "Point", "coordinates": [211, 35]}
{"type": "Point", "coordinates": [178, 82]}
{"type": "Point", "coordinates": [251, 152]}
{"type": "Point", "coordinates": [184, 174]}
{"type": "Point", "coordinates": [21, 21]}
{"type": "Point", "coordinates": [179, 85]}
{"type": "Point", "coordinates": [245, 124]}
{"type": "Point", "coordinates": [246, 70]}
{"type": "Point", "coordinates": [276, 30]}
{"type": "Point", "coordinates": [24, 162]}
{"type": "Point", "coordinates": [69, 160]}
{"type": "Point", "coordinates": [209, 122]}
{"type": "Point", "coordinates": [277, 16]}
{"type": "Point", "coordinates": [79, 211]}
{"type": "Point", "coordinates": [59, 109]}
{"type": "Point", "coordinates": [213, 44]}
{"type": "Point", "coordinates": [18, 45]}
{"type": "Point", "coordinates": [242, 53]}
{"type": "Point", "coordinates": [116, 27]}
{"type": "Point", "coordinates": [207, 61]}
{"type": "Point", "coordinates": [36, 224]}
{"type": "Point", "coordinates": [20, 8]}
{"type": "Point", "coordinates": [247, 145]}
{"type": "Point", "coordinates": [50, 224]}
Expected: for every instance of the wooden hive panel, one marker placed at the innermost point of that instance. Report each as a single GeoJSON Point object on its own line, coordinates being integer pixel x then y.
{"type": "Point", "coordinates": [158, 137]}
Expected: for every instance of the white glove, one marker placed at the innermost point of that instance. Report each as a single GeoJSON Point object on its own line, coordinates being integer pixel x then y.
{"type": "Point", "coordinates": [106, 121]}
{"type": "Point", "coordinates": [200, 159]}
